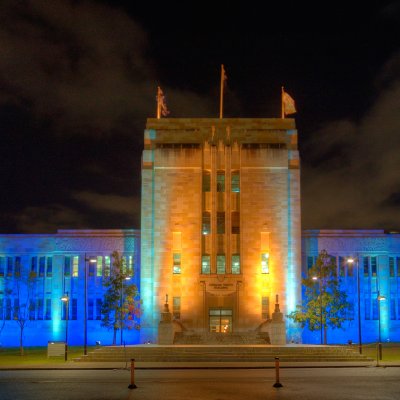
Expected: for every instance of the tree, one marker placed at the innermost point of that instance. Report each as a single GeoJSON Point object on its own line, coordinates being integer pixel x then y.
{"type": "Point", "coordinates": [23, 293]}
{"type": "Point", "coordinates": [324, 305]}
{"type": "Point", "coordinates": [121, 303]}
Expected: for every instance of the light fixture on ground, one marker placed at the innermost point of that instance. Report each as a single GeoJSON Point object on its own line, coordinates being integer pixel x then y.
{"type": "Point", "coordinates": [91, 260]}
{"type": "Point", "coordinates": [355, 261]}
{"type": "Point", "coordinates": [65, 299]}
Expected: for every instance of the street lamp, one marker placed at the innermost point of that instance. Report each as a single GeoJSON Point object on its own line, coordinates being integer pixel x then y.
{"type": "Point", "coordinates": [315, 278]}
{"type": "Point", "coordinates": [65, 299]}
{"type": "Point", "coordinates": [379, 299]}
{"type": "Point", "coordinates": [127, 278]}
{"type": "Point", "coordinates": [355, 260]}
{"type": "Point", "coordinates": [90, 260]}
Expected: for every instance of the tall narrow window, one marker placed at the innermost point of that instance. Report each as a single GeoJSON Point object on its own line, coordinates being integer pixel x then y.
{"type": "Point", "coordinates": [177, 263]}
{"type": "Point", "coordinates": [398, 266]}
{"type": "Point", "coordinates": [220, 222]}
{"type": "Point", "coordinates": [34, 265]}
{"type": "Point", "coordinates": [375, 305]}
{"type": "Point", "coordinates": [391, 267]}
{"type": "Point", "coordinates": [48, 309]}
{"type": "Point", "coordinates": [235, 264]}
{"type": "Point", "coordinates": [40, 309]}
{"type": "Point", "coordinates": [49, 267]}
{"type": "Point", "coordinates": [205, 264]}
{"type": "Point", "coordinates": [130, 265]}
{"type": "Point", "coordinates": [392, 309]}
{"type": "Point", "coordinates": [206, 223]}
{"type": "Point", "coordinates": [16, 314]}
{"type": "Point", "coordinates": [176, 307]}
{"type": "Point", "coordinates": [235, 222]}
{"type": "Point", "coordinates": [99, 303]}
{"type": "Point", "coordinates": [42, 264]}
{"type": "Point", "coordinates": [2, 314]}
{"type": "Point", "coordinates": [99, 266]}
{"type": "Point", "coordinates": [2, 265]}
{"type": "Point", "coordinates": [367, 308]}
{"type": "Point", "coordinates": [366, 266]}
{"type": "Point", "coordinates": [373, 266]}
{"type": "Point", "coordinates": [17, 268]}
{"type": "Point", "coordinates": [221, 264]}
{"type": "Point", "coordinates": [265, 263]}
{"type": "Point", "coordinates": [75, 266]}
{"type": "Point", "coordinates": [264, 307]}
{"type": "Point", "coordinates": [74, 309]}
{"type": "Point", "coordinates": [107, 265]}
{"type": "Point", "coordinates": [342, 266]}
{"type": "Point", "coordinates": [8, 309]}
{"type": "Point", "coordinates": [92, 266]}
{"type": "Point", "coordinates": [235, 182]}
{"type": "Point", "coordinates": [67, 266]}
{"type": "Point", "coordinates": [220, 182]}
{"type": "Point", "coordinates": [310, 262]}
{"type": "Point", "coordinates": [206, 181]}
{"type": "Point", "coordinates": [90, 309]}
{"type": "Point", "coordinates": [9, 266]}
{"type": "Point", "coordinates": [32, 309]}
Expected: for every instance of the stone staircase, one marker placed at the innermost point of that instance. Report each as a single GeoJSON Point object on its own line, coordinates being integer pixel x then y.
{"type": "Point", "coordinates": [224, 353]}
{"type": "Point", "coordinates": [221, 338]}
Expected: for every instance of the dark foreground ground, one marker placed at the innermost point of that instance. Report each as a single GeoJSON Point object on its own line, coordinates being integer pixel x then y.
{"type": "Point", "coordinates": [222, 384]}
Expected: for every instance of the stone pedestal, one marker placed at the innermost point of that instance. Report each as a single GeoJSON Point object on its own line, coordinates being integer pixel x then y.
{"type": "Point", "coordinates": [278, 328]}
{"type": "Point", "coordinates": [165, 327]}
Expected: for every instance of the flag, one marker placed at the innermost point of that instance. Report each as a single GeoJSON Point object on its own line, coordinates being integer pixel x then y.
{"type": "Point", "coordinates": [161, 104]}
{"type": "Point", "coordinates": [288, 104]}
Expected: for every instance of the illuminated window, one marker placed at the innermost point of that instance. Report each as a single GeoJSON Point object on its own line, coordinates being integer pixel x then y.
{"type": "Point", "coordinates": [206, 223]}
{"type": "Point", "coordinates": [264, 307]}
{"type": "Point", "coordinates": [99, 266]}
{"type": "Point", "coordinates": [49, 266]}
{"type": "Point", "coordinates": [220, 182]}
{"type": "Point", "coordinates": [221, 264]}
{"type": "Point", "coordinates": [48, 309]}
{"type": "Point", "coordinates": [373, 266]}
{"type": "Point", "coordinates": [205, 264]}
{"type": "Point", "coordinates": [235, 264]}
{"type": "Point", "coordinates": [75, 266]}
{"type": "Point", "coordinates": [235, 182]}
{"type": "Point", "coordinates": [107, 265]}
{"type": "Point", "coordinates": [130, 265]}
{"type": "Point", "coordinates": [176, 307]}
{"type": "Point", "coordinates": [235, 222]}
{"type": "Point", "coordinates": [206, 182]}
{"type": "Point", "coordinates": [220, 222]}
{"type": "Point", "coordinates": [177, 263]}
{"type": "Point", "coordinates": [265, 263]}
{"type": "Point", "coordinates": [67, 266]}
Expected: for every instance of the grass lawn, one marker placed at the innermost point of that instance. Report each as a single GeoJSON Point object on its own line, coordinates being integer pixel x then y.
{"type": "Point", "coordinates": [37, 355]}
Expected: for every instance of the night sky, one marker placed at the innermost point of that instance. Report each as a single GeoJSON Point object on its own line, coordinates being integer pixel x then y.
{"type": "Point", "coordinates": [78, 80]}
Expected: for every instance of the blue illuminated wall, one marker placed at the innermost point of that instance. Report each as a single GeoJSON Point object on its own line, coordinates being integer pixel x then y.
{"type": "Point", "coordinates": [58, 261]}
{"type": "Point", "coordinates": [377, 260]}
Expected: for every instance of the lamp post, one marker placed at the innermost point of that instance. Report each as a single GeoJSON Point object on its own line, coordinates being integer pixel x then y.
{"type": "Point", "coordinates": [355, 260]}
{"type": "Point", "coordinates": [379, 299]}
{"type": "Point", "coordinates": [315, 278]}
{"type": "Point", "coordinates": [65, 299]}
{"type": "Point", "coordinates": [90, 260]}
{"type": "Point", "coordinates": [127, 278]}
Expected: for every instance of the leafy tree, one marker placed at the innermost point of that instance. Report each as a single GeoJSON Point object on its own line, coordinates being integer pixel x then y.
{"type": "Point", "coordinates": [23, 287]}
{"type": "Point", "coordinates": [121, 305]}
{"type": "Point", "coordinates": [324, 305]}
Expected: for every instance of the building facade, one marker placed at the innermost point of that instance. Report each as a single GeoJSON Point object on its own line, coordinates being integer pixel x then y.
{"type": "Point", "coordinates": [220, 238]}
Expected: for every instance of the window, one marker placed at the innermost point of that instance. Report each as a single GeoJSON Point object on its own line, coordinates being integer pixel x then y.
{"type": "Point", "coordinates": [99, 303]}
{"type": "Point", "coordinates": [42, 261]}
{"type": "Point", "coordinates": [265, 263]}
{"type": "Point", "coordinates": [235, 264]}
{"type": "Point", "coordinates": [2, 265]}
{"type": "Point", "coordinates": [90, 309]}
{"type": "Point", "coordinates": [75, 266]}
{"type": "Point", "coordinates": [129, 265]}
{"type": "Point", "coordinates": [177, 263]}
{"type": "Point", "coordinates": [74, 309]}
{"type": "Point", "coordinates": [373, 266]}
{"type": "Point", "coordinates": [34, 265]}
{"type": "Point", "coordinates": [16, 314]}
{"type": "Point", "coordinates": [205, 264]}
{"type": "Point", "coordinates": [235, 222]}
{"type": "Point", "coordinates": [375, 305]}
{"type": "Point", "coordinates": [176, 307]}
{"type": "Point", "coordinates": [9, 266]}
{"type": "Point", "coordinates": [8, 309]}
{"type": "Point", "coordinates": [391, 267]}
{"type": "Point", "coordinates": [366, 266]}
{"type": "Point", "coordinates": [221, 264]}
{"type": "Point", "coordinates": [64, 310]}
{"type": "Point", "coordinates": [32, 309]}
{"type": "Point", "coordinates": [220, 182]}
{"type": "Point", "coordinates": [206, 223]}
{"type": "Point", "coordinates": [107, 265]}
{"type": "Point", "coordinates": [67, 266]}
{"type": "Point", "coordinates": [17, 269]}
{"type": "Point", "coordinates": [235, 182]}
{"type": "Point", "coordinates": [367, 307]}
{"type": "Point", "coordinates": [310, 262]}
{"type": "Point", "coordinates": [392, 309]}
{"type": "Point", "coordinates": [350, 269]}
{"type": "Point", "coordinates": [48, 309]}
{"type": "Point", "coordinates": [206, 182]}
{"type": "Point", "coordinates": [40, 309]}
{"type": "Point", "coordinates": [265, 307]}
{"type": "Point", "coordinates": [398, 266]}
{"type": "Point", "coordinates": [49, 267]}
{"type": "Point", "coordinates": [91, 266]}
{"type": "Point", "coordinates": [220, 222]}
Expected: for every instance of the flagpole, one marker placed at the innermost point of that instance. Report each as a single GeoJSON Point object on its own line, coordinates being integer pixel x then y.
{"type": "Point", "coordinates": [282, 105]}
{"type": "Point", "coordinates": [158, 102]}
{"type": "Point", "coordinates": [221, 97]}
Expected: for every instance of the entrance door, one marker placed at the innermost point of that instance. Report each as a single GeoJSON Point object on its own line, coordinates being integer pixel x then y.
{"type": "Point", "coordinates": [220, 320]}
